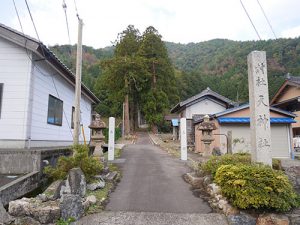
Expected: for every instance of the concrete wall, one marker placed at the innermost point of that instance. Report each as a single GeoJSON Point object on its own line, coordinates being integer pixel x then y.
{"type": "Point", "coordinates": [22, 161]}
{"type": "Point", "coordinates": [15, 69]}
{"type": "Point", "coordinates": [19, 187]}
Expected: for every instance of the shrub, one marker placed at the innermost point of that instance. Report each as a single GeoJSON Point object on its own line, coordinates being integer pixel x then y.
{"type": "Point", "coordinates": [118, 133]}
{"type": "Point", "coordinates": [256, 186]}
{"type": "Point", "coordinates": [276, 164]}
{"type": "Point", "coordinates": [215, 162]}
{"type": "Point", "coordinates": [89, 165]}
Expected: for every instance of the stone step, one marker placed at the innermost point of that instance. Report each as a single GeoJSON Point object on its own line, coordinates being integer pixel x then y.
{"type": "Point", "coordinates": [153, 218]}
{"type": "Point", "coordinates": [111, 176]}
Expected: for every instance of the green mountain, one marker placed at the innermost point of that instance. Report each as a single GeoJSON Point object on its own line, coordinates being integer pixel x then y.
{"type": "Point", "coordinates": [220, 64]}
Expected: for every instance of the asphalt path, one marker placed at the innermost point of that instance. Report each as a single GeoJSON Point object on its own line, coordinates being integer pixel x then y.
{"type": "Point", "coordinates": [152, 182]}
{"type": "Point", "coordinates": [153, 192]}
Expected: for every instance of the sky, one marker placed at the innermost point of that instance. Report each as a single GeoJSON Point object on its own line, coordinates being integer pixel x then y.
{"type": "Point", "coordinates": [179, 21]}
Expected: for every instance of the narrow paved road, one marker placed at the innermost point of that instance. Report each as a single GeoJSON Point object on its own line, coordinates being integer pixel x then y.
{"type": "Point", "coordinates": [152, 191]}
{"type": "Point", "coordinates": [152, 182]}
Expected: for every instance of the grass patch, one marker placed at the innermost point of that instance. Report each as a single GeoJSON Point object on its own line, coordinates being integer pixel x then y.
{"type": "Point", "coordinates": [101, 196]}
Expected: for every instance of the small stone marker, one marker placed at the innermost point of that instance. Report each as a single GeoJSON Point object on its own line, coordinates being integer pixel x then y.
{"type": "Point", "coordinates": [259, 108]}
{"type": "Point", "coordinates": [183, 139]}
{"type": "Point", "coordinates": [111, 139]}
{"type": "Point", "coordinates": [76, 182]}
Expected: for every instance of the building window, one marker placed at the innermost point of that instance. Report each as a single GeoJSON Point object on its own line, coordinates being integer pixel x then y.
{"type": "Point", "coordinates": [72, 117]}
{"type": "Point", "coordinates": [55, 111]}
{"type": "Point", "coordinates": [1, 91]}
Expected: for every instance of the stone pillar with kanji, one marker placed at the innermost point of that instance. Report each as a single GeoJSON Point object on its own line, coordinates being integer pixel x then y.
{"type": "Point", "coordinates": [259, 108]}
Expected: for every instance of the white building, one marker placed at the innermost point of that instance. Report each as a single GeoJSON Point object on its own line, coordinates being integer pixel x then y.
{"type": "Point", "coordinates": [206, 102]}
{"type": "Point", "coordinates": [37, 94]}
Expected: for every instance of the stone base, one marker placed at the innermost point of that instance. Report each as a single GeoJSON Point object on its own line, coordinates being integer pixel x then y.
{"type": "Point", "coordinates": [194, 180]}
{"type": "Point", "coordinates": [98, 152]}
{"type": "Point", "coordinates": [270, 219]}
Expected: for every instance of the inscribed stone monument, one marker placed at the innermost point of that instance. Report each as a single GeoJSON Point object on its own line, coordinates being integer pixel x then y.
{"type": "Point", "coordinates": [111, 139]}
{"type": "Point", "coordinates": [183, 139]}
{"type": "Point", "coordinates": [259, 108]}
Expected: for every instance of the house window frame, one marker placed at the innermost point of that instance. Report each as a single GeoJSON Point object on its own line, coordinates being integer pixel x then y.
{"type": "Point", "coordinates": [1, 96]}
{"type": "Point", "coordinates": [58, 113]}
{"type": "Point", "coordinates": [72, 117]}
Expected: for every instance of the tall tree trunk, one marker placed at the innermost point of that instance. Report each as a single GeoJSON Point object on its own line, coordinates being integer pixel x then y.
{"type": "Point", "coordinates": [131, 113]}
{"type": "Point", "coordinates": [136, 115]}
{"type": "Point", "coordinates": [126, 111]}
{"type": "Point", "coordinates": [154, 126]}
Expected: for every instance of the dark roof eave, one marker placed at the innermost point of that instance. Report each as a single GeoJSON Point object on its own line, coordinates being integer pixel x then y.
{"type": "Point", "coordinates": [287, 82]}
{"type": "Point", "coordinates": [176, 108]}
{"type": "Point", "coordinates": [291, 100]}
{"type": "Point", "coordinates": [204, 93]}
{"type": "Point", "coordinates": [287, 113]}
{"type": "Point", "coordinates": [283, 111]}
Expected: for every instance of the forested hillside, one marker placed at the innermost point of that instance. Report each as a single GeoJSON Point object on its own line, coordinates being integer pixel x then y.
{"type": "Point", "coordinates": [220, 64]}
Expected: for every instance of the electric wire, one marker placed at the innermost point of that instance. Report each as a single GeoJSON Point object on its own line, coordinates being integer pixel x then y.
{"type": "Point", "coordinates": [250, 19]}
{"type": "Point", "coordinates": [47, 63]}
{"type": "Point", "coordinates": [32, 20]}
{"type": "Point", "coordinates": [77, 14]}
{"type": "Point", "coordinates": [64, 5]}
{"type": "Point", "coordinates": [263, 11]}
{"type": "Point", "coordinates": [18, 16]}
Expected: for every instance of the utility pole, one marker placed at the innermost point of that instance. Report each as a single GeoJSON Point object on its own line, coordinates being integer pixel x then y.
{"type": "Point", "coordinates": [78, 83]}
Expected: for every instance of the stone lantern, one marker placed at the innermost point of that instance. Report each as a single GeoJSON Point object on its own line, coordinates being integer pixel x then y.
{"type": "Point", "coordinates": [207, 128]}
{"type": "Point", "coordinates": [97, 138]}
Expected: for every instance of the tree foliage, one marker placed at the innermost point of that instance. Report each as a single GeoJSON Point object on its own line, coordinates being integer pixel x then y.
{"type": "Point", "coordinates": [141, 69]}
{"type": "Point", "coordinates": [219, 64]}
{"type": "Point", "coordinates": [161, 90]}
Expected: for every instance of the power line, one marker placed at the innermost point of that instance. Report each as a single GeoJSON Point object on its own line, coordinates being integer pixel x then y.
{"type": "Point", "coordinates": [32, 21]}
{"type": "Point", "coordinates": [263, 11]}
{"type": "Point", "coordinates": [70, 129]}
{"type": "Point", "coordinates": [77, 14]}
{"type": "Point", "coordinates": [43, 53]}
{"type": "Point", "coordinates": [18, 16]}
{"type": "Point", "coordinates": [64, 5]}
{"type": "Point", "coordinates": [250, 20]}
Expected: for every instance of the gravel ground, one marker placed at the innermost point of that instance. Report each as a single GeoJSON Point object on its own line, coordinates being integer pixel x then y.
{"type": "Point", "coordinates": [152, 218]}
